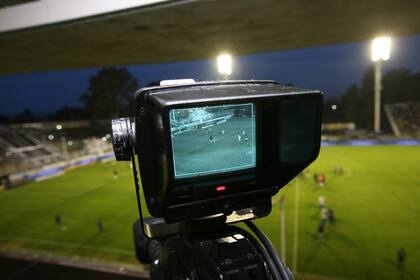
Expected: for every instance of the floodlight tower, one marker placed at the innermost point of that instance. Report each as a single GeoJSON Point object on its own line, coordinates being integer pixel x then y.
{"type": "Point", "coordinates": [224, 65]}
{"type": "Point", "coordinates": [380, 52]}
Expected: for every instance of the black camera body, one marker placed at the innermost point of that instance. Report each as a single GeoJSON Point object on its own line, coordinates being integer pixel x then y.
{"type": "Point", "coordinates": [211, 154]}
{"type": "Point", "coordinates": [211, 148]}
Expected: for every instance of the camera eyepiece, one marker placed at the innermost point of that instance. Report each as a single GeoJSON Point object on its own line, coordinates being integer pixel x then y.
{"type": "Point", "coordinates": [122, 138]}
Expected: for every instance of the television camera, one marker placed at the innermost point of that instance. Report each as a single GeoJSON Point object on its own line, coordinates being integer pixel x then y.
{"type": "Point", "coordinates": [212, 154]}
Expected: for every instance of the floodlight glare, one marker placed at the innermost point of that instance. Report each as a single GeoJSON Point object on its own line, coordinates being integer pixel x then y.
{"type": "Point", "coordinates": [58, 126]}
{"type": "Point", "coordinates": [224, 64]}
{"type": "Point", "coordinates": [381, 48]}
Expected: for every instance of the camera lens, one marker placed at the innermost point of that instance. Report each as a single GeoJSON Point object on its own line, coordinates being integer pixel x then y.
{"type": "Point", "coordinates": [122, 139]}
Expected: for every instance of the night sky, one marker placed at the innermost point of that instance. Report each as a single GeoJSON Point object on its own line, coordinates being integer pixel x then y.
{"type": "Point", "coordinates": [331, 69]}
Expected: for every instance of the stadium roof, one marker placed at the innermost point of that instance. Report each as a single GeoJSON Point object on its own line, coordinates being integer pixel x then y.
{"type": "Point", "coordinates": [166, 31]}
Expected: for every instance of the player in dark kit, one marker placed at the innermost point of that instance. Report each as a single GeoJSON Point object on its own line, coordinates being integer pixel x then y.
{"type": "Point", "coordinates": [57, 220]}
{"type": "Point", "coordinates": [321, 229]}
{"type": "Point", "coordinates": [331, 217]}
{"type": "Point", "coordinates": [100, 226]}
{"type": "Point", "coordinates": [315, 178]}
{"type": "Point", "coordinates": [401, 255]}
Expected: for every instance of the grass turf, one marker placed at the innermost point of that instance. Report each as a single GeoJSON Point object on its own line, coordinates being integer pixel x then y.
{"type": "Point", "coordinates": [375, 203]}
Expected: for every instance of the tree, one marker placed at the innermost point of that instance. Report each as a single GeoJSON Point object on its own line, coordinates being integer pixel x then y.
{"type": "Point", "coordinates": [414, 87]}
{"type": "Point", "coordinates": [4, 119]}
{"type": "Point", "coordinates": [110, 93]}
{"type": "Point", "coordinates": [350, 106]}
{"type": "Point", "coordinates": [398, 85]}
{"type": "Point", "coordinates": [69, 113]}
{"type": "Point", "coordinates": [25, 116]}
{"type": "Point", "coordinates": [330, 115]}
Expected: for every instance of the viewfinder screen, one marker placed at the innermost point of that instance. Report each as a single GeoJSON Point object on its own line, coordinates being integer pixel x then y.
{"type": "Point", "coordinates": [212, 139]}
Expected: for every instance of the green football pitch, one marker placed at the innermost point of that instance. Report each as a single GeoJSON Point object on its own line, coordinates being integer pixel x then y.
{"type": "Point", "coordinates": [376, 202]}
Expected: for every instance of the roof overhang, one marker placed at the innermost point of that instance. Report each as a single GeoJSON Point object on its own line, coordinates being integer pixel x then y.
{"type": "Point", "coordinates": [168, 31]}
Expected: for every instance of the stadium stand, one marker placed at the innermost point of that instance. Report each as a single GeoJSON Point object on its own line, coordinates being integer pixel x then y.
{"type": "Point", "coordinates": [19, 150]}
{"type": "Point", "coordinates": [32, 146]}
{"type": "Point", "coordinates": [404, 119]}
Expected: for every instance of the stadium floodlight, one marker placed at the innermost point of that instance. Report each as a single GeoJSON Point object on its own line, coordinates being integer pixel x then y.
{"type": "Point", "coordinates": [50, 137]}
{"type": "Point", "coordinates": [333, 107]}
{"type": "Point", "coordinates": [58, 126]}
{"type": "Point", "coordinates": [70, 143]}
{"type": "Point", "coordinates": [381, 48]}
{"type": "Point", "coordinates": [224, 64]}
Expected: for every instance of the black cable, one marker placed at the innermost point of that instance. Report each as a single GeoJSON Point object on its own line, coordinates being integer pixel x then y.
{"type": "Point", "coordinates": [137, 186]}
{"type": "Point", "coordinates": [270, 264]}
{"type": "Point", "coordinates": [270, 248]}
